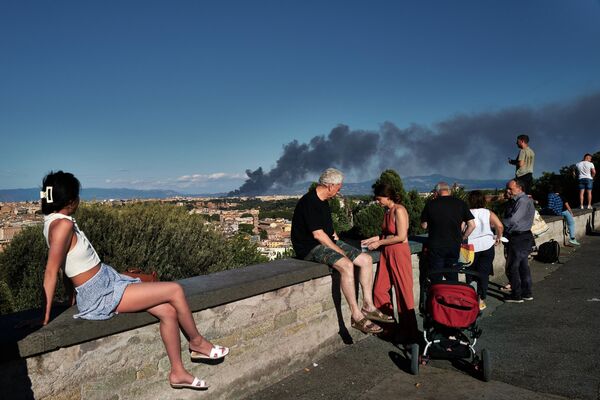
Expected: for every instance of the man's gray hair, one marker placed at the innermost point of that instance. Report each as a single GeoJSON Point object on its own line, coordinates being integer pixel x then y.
{"type": "Point", "coordinates": [331, 176]}
{"type": "Point", "coordinates": [442, 187]}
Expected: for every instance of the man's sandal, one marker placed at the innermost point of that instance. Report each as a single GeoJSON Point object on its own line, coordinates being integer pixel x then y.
{"type": "Point", "coordinates": [197, 384]}
{"type": "Point", "coordinates": [216, 353]}
{"type": "Point", "coordinates": [377, 315]}
{"type": "Point", "coordinates": [365, 326]}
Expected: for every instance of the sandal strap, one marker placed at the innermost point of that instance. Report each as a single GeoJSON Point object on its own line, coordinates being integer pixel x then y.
{"type": "Point", "coordinates": [216, 352]}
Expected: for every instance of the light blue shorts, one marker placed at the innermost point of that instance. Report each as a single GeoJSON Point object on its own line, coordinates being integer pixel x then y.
{"type": "Point", "coordinates": [100, 295]}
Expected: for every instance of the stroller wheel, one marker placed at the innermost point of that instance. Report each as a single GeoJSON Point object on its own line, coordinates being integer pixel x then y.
{"type": "Point", "coordinates": [486, 366]}
{"type": "Point", "coordinates": [423, 360]}
{"type": "Point", "coordinates": [415, 358]}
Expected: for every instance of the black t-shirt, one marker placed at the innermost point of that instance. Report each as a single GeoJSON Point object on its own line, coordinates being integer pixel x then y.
{"type": "Point", "coordinates": [444, 216]}
{"type": "Point", "coordinates": [311, 214]}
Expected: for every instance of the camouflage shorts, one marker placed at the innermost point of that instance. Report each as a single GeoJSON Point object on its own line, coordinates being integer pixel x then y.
{"type": "Point", "coordinates": [325, 255]}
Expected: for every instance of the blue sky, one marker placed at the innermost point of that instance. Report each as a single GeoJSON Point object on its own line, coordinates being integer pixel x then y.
{"type": "Point", "coordinates": [187, 95]}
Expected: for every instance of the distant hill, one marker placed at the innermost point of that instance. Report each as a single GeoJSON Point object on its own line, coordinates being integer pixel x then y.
{"type": "Point", "coordinates": [419, 183]}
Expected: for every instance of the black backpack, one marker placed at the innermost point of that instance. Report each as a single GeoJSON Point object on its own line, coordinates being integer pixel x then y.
{"type": "Point", "coordinates": [548, 252]}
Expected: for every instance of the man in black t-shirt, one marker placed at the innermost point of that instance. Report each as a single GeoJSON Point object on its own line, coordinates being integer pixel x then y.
{"type": "Point", "coordinates": [314, 239]}
{"type": "Point", "coordinates": [443, 218]}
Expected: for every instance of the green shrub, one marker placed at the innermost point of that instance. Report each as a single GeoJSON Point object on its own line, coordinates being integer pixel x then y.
{"type": "Point", "coordinates": [164, 238]}
{"type": "Point", "coordinates": [22, 270]}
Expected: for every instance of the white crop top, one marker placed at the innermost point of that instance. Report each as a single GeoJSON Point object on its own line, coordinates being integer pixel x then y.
{"type": "Point", "coordinates": [482, 236]}
{"type": "Point", "coordinates": [80, 258]}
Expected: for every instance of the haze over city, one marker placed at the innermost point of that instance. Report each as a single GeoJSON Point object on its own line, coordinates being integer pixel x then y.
{"type": "Point", "coordinates": [187, 96]}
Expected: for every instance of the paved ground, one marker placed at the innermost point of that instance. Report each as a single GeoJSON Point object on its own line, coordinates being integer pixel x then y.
{"type": "Point", "coordinates": [548, 348]}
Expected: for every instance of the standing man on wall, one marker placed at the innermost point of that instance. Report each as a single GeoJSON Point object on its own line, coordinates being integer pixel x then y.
{"type": "Point", "coordinates": [585, 176]}
{"type": "Point", "coordinates": [443, 218]}
{"type": "Point", "coordinates": [314, 239]}
{"type": "Point", "coordinates": [524, 163]}
{"type": "Point", "coordinates": [518, 220]}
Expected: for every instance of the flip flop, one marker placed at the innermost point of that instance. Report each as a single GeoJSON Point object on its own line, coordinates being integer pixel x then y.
{"type": "Point", "coordinates": [365, 326]}
{"type": "Point", "coordinates": [197, 384]}
{"type": "Point", "coordinates": [216, 353]}
{"type": "Point", "coordinates": [377, 315]}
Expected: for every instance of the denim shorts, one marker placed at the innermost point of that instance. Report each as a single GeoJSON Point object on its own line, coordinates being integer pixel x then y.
{"type": "Point", "coordinates": [101, 294]}
{"type": "Point", "coordinates": [586, 184]}
{"type": "Point", "coordinates": [325, 255]}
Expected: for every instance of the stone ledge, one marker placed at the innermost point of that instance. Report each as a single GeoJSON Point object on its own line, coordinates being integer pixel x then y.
{"type": "Point", "coordinates": [202, 292]}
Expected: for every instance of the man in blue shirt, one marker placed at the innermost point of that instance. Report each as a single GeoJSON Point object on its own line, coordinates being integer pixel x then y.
{"type": "Point", "coordinates": [518, 220]}
{"type": "Point", "coordinates": [557, 206]}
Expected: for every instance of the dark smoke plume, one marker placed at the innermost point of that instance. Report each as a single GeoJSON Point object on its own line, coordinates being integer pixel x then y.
{"type": "Point", "coordinates": [474, 146]}
{"type": "Point", "coordinates": [342, 148]}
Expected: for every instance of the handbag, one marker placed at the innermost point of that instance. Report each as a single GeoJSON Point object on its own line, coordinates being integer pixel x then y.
{"type": "Point", "coordinates": [467, 254]}
{"type": "Point", "coordinates": [539, 226]}
{"type": "Point", "coordinates": [143, 276]}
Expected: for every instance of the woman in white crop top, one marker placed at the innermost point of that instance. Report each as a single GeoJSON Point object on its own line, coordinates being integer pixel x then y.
{"type": "Point", "coordinates": [102, 292]}
{"type": "Point", "coordinates": [484, 240]}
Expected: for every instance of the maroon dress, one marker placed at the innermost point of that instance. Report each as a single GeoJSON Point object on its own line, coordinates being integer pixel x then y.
{"type": "Point", "coordinates": [395, 269]}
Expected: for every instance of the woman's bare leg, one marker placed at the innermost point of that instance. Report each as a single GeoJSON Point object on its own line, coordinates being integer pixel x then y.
{"type": "Point", "coordinates": [169, 332]}
{"type": "Point", "coordinates": [144, 296]}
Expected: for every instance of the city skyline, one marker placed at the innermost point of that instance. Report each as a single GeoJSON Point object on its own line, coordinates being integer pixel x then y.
{"type": "Point", "coordinates": [186, 96]}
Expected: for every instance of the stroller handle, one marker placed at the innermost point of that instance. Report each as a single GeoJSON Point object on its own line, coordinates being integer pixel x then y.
{"type": "Point", "coordinates": [461, 270]}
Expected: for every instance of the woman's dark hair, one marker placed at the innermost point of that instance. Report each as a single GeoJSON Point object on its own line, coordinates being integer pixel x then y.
{"type": "Point", "coordinates": [385, 190]}
{"type": "Point", "coordinates": [59, 189]}
{"type": "Point", "coordinates": [476, 199]}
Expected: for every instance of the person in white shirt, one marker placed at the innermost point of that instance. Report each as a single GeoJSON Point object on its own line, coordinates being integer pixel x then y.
{"type": "Point", "coordinates": [585, 174]}
{"type": "Point", "coordinates": [483, 240]}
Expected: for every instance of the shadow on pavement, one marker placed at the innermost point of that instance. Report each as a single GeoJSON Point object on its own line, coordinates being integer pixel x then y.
{"type": "Point", "coordinates": [402, 360]}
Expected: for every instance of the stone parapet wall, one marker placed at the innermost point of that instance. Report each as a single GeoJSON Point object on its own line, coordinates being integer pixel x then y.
{"type": "Point", "coordinates": [276, 317]}
{"type": "Point", "coordinates": [271, 335]}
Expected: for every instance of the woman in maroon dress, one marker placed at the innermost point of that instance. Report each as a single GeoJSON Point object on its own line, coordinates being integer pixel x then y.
{"type": "Point", "coordinates": [395, 267]}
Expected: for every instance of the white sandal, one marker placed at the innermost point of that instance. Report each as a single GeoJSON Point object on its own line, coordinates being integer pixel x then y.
{"type": "Point", "coordinates": [216, 353]}
{"type": "Point", "coordinates": [197, 384]}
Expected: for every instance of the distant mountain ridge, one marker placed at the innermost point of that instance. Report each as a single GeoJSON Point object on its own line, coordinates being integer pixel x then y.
{"type": "Point", "coordinates": [419, 183]}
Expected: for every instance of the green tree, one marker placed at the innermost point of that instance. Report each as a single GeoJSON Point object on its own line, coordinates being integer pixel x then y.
{"type": "Point", "coordinates": [368, 220]}
{"type": "Point", "coordinates": [341, 216]}
{"type": "Point", "coordinates": [7, 304]}
{"type": "Point", "coordinates": [246, 229]}
{"type": "Point", "coordinates": [412, 201]}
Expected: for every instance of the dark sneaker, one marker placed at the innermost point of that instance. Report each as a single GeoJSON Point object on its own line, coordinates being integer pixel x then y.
{"type": "Point", "coordinates": [513, 299]}
{"type": "Point", "coordinates": [528, 298]}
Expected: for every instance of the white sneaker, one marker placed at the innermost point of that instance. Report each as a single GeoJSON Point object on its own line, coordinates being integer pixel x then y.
{"type": "Point", "coordinates": [589, 207]}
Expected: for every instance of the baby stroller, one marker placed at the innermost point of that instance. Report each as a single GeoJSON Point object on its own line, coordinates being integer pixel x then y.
{"type": "Point", "coordinates": [450, 322]}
